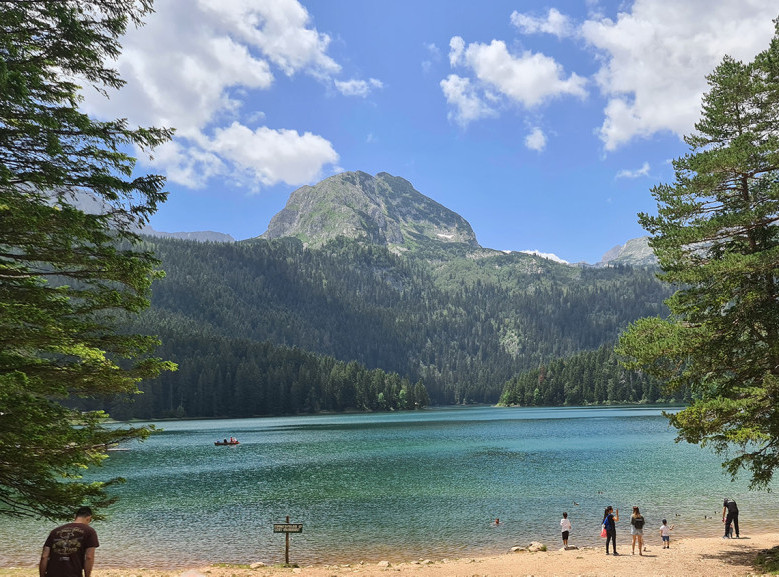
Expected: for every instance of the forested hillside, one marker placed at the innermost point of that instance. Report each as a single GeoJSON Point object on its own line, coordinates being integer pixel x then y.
{"type": "Point", "coordinates": [220, 377]}
{"type": "Point", "coordinates": [590, 377]}
{"type": "Point", "coordinates": [461, 321]}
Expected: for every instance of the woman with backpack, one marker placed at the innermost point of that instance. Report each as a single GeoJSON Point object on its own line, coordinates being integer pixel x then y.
{"type": "Point", "coordinates": [637, 530]}
{"type": "Point", "coordinates": [610, 518]}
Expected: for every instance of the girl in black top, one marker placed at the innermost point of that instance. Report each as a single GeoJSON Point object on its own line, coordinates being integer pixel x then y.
{"type": "Point", "coordinates": [610, 518]}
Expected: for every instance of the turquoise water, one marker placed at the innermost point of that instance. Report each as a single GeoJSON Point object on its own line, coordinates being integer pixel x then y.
{"type": "Point", "coordinates": [399, 486]}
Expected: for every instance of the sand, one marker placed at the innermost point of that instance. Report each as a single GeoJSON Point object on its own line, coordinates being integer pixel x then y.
{"type": "Point", "coordinates": [709, 557]}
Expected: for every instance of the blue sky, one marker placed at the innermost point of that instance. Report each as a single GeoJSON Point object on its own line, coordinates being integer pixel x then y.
{"type": "Point", "coordinates": [544, 124]}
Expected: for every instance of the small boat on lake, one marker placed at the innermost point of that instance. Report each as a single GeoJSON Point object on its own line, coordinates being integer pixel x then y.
{"type": "Point", "coordinates": [231, 441]}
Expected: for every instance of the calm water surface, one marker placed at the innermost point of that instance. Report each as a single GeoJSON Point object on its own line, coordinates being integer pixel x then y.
{"type": "Point", "coordinates": [399, 486]}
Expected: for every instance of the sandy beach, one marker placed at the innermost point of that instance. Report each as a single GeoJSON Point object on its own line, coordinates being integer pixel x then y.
{"type": "Point", "coordinates": [712, 557]}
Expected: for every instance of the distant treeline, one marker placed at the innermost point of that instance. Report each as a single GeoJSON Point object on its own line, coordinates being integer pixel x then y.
{"type": "Point", "coordinates": [218, 377]}
{"type": "Point", "coordinates": [592, 377]}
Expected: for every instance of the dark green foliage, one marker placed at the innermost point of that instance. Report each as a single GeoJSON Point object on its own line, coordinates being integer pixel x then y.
{"type": "Point", "coordinates": [220, 377]}
{"type": "Point", "coordinates": [587, 378]}
{"type": "Point", "coordinates": [767, 561]}
{"type": "Point", "coordinates": [66, 278]}
{"type": "Point", "coordinates": [716, 236]}
{"type": "Point", "coordinates": [462, 326]}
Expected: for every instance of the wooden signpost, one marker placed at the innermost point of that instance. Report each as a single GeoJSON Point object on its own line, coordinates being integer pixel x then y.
{"type": "Point", "coordinates": [287, 528]}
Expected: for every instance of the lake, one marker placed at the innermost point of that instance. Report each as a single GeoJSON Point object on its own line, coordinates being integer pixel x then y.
{"type": "Point", "coordinates": [400, 486]}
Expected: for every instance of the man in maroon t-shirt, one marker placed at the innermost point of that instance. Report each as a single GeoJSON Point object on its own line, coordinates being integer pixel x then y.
{"type": "Point", "coordinates": [69, 550]}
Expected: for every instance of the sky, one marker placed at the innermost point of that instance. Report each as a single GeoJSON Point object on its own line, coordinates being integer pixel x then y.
{"type": "Point", "coordinates": [544, 124]}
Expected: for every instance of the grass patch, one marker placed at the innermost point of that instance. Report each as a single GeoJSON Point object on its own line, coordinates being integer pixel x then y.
{"type": "Point", "coordinates": [768, 561]}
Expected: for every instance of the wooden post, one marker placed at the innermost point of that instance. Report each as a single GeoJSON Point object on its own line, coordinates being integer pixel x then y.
{"type": "Point", "coordinates": [287, 528]}
{"type": "Point", "coordinates": [286, 549]}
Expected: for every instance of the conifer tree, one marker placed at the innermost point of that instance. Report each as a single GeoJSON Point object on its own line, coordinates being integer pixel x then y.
{"type": "Point", "coordinates": [67, 276]}
{"type": "Point", "coordinates": [716, 238]}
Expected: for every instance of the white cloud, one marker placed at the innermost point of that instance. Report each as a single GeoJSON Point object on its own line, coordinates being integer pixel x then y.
{"type": "Point", "coordinates": [191, 67]}
{"type": "Point", "coordinates": [278, 28]}
{"type": "Point", "coordinates": [190, 166]}
{"type": "Point", "coordinates": [536, 140]}
{"type": "Point", "coordinates": [554, 23]}
{"type": "Point", "coordinates": [657, 55]}
{"type": "Point", "coordinates": [358, 87]}
{"type": "Point", "coordinates": [434, 54]}
{"type": "Point", "coordinates": [529, 79]}
{"type": "Point", "coordinates": [654, 57]}
{"type": "Point", "coordinates": [464, 100]}
{"type": "Point", "coordinates": [272, 156]}
{"type": "Point", "coordinates": [261, 157]}
{"type": "Point", "coordinates": [546, 255]}
{"type": "Point", "coordinates": [177, 79]}
{"type": "Point", "coordinates": [643, 171]}
{"type": "Point", "coordinates": [456, 51]}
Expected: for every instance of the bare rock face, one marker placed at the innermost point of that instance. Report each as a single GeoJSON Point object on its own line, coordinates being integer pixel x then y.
{"type": "Point", "coordinates": [382, 209]}
{"type": "Point", "coordinates": [635, 252]}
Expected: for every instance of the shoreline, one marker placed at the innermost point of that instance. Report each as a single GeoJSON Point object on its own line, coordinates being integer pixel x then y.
{"type": "Point", "coordinates": [496, 405]}
{"type": "Point", "coordinates": [687, 557]}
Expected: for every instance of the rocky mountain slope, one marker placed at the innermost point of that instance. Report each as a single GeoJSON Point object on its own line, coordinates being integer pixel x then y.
{"type": "Point", "coordinates": [382, 209]}
{"type": "Point", "coordinates": [388, 211]}
{"type": "Point", "coordinates": [635, 252]}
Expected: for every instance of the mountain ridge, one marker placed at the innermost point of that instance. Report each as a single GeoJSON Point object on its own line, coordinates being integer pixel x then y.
{"type": "Point", "coordinates": [382, 209]}
{"type": "Point", "coordinates": [387, 210]}
{"type": "Point", "coordinates": [197, 236]}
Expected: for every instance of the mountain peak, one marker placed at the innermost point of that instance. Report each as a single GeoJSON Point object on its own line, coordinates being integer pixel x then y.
{"type": "Point", "coordinates": [383, 209]}
{"type": "Point", "coordinates": [635, 252]}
